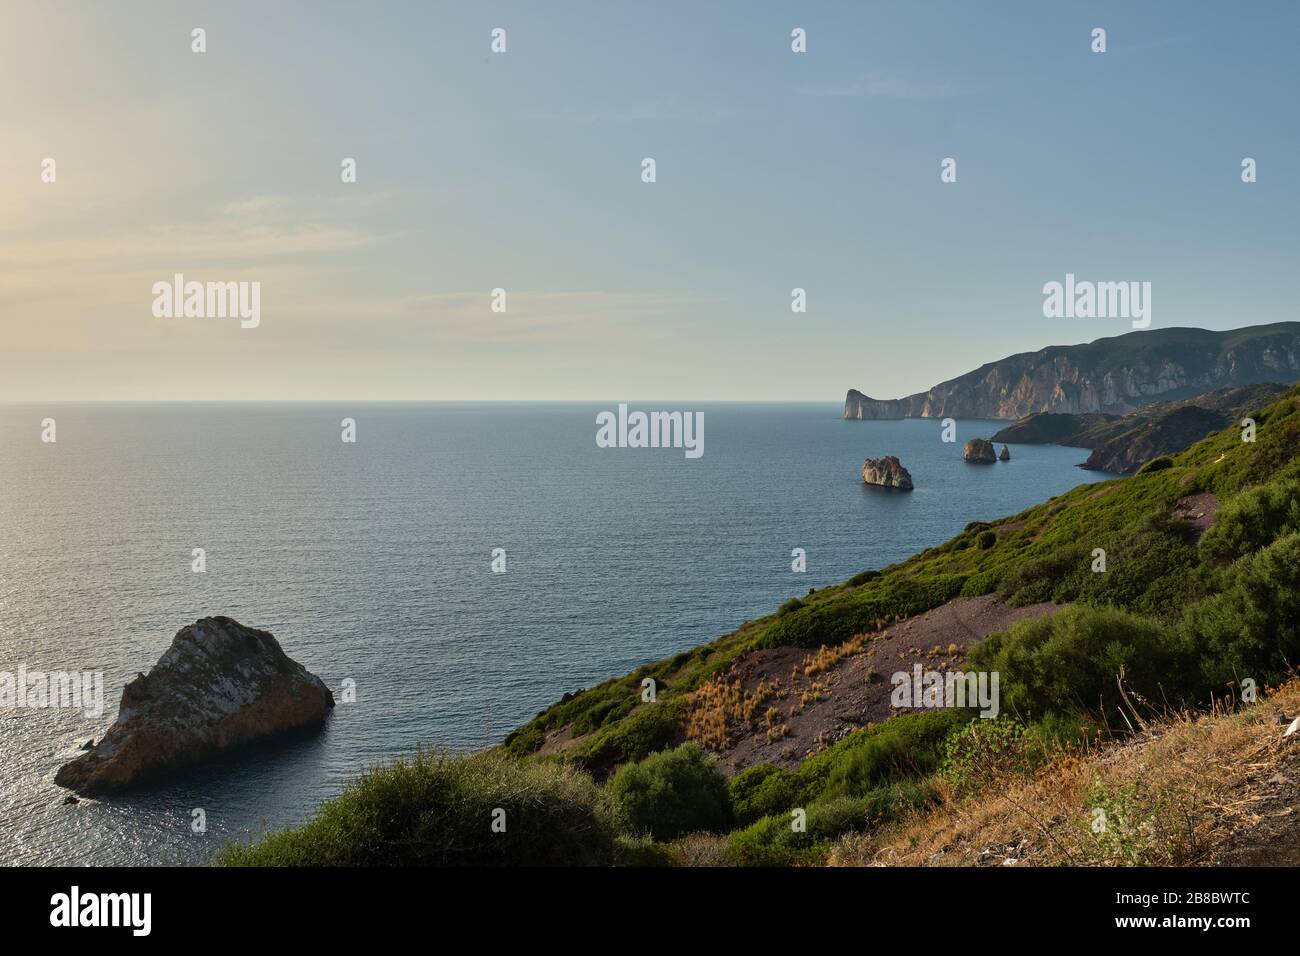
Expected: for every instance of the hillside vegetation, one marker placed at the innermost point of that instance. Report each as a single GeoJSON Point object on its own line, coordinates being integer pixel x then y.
{"type": "Point", "coordinates": [1177, 622]}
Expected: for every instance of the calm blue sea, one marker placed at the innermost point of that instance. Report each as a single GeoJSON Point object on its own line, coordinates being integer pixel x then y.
{"type": "Point", "coordinates": [371, 561]}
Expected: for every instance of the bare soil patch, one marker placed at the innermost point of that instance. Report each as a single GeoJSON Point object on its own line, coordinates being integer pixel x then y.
{"type": "Point", "coordinates": [782, 705]}
{"type": "Point", "coordinates": [1198, 510]}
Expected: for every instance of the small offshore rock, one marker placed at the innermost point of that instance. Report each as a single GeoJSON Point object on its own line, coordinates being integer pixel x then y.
{"type": "Point", "coordinates": [1006, 454]}
{"type": "Point", "coordinates": [980, 450]}
{"type": "Point", "coordinates": [888, 472]}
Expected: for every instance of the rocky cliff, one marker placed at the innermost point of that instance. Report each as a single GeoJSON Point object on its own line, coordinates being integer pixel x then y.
{"type": "Point", "coordinates": [219, 685]}
{"type": "Point", "coordinates": [1113, 375]}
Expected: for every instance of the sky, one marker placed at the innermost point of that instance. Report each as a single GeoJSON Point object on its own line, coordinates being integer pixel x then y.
{"type": "Point", "coordinates": [522, 171]}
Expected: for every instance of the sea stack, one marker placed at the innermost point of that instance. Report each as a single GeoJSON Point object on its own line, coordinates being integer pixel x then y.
{"type": "Point", "coordinates": [218, 686]}
{"type": "Point", "coordinates": [1006, 454]}
{"type": "Point", "coordinates": [888, 472]}
{"type": "Point", "coordinates": [980, 450]}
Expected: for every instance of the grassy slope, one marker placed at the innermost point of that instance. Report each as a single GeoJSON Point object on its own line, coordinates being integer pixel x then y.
{"type": "Point", "coordinates": [1042, 553]}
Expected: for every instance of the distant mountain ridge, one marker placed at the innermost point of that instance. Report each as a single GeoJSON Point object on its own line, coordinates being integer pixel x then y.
{"type": "Point", "coordinates": [1115, 375]}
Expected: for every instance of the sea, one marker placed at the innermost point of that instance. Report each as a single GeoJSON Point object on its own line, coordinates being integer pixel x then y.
{"type": "Point", "coordinates": [371, 561]}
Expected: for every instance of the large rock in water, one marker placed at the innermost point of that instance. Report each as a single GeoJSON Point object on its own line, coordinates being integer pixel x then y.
{"type": "Point", "coordinates": [980, 450]}
{"type": "Point", "coordinates": [218, 686]}
{"type": "Point", "coordinates": [887, 471]}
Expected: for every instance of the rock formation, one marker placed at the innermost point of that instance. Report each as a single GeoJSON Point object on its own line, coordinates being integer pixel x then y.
{"type": "Point", "coordinates": [218, 686]}
{"type": "Point", "coordinates": [1005, 455]}
{"type": "Point", "coordinates": [980, 450]}
{"type": "Point", "coordinates": [1113, 375]}
{"type": "Point", "coordinates": [888, 472]}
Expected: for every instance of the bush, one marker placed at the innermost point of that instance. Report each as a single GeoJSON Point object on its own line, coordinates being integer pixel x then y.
{"type": "Point", "coordinates": [1156, 464]}
{"type": "Point", "coordinates": [1252, 628]}
{"type": "Point", "coordinates": [761, 791]}
{"type": "Point", "coordinates": [673, 792]}
{"type": "Point", "coordinates": [635, 736]}
{"type": "Point", "coordinates": [1070, 661]}
{"type": "Point", "coordinates": [772, 841]}
{"type": "Point", "coordinates": [437, 809]}
{"type": "Point", "coordinates": [642, 851]}
{"type": "Point", "coordinates": [986, 540]}
{"type": "Point", "coordinates": [984, 751]}
{"type": "Point", "coordinates": [862, 577]}
{"type": "Point", "coordinates": [789, 607]}
{"type": "Point", "coordinates": [909, 745]}
{"type": "Point", "coordinates": [1153, 570]}
{"type": "Point", "coordinates": [1252, 520]}
{"type": "Point", "coordinates": [835, 621]}
{"type": "Point", "coordinates": [1055, 576]}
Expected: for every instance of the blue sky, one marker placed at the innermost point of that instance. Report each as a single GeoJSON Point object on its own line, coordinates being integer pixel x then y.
{"type": "Point", "coordinates": [522, 171]}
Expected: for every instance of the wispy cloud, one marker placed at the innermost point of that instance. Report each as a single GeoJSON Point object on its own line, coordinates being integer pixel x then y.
{"type": "Point", "coordinates": [261, 229]}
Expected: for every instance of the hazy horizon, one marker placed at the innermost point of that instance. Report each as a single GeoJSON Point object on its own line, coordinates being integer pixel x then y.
{"type": "Point", "coordinates": [477, 170]}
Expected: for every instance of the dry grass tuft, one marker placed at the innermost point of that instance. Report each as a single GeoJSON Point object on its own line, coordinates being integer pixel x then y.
{"type": "Point", "coordinates": [827, 658]}
{"type": "Point", "coordinates": [723, 705]}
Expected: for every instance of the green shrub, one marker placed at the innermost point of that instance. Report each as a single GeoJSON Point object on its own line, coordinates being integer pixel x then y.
{"type": "Point", "coordinates": [1070, 661]}
{"type": "Point", "coordinates": [773, 841]}
{"type": "Point", "coordinates": [790, 606]}
{"type": "Point", "coordinates": [834, 621]}
{"type": "Point", "coordinates": [633, 737]}
{"type": "Point", "coordinates": [984, 751]}
{"type": "Point", "coordinates": [761, 791]}
{"type": "Point", "coordinates": [1058, 732]}
{"type": "Point", "coordinates": [908, 745]}
{"type": "Point", "coordinates": [642, 851]}
{"type": "Point", "coordinates": [437, 809]}
{"type": "Point", "coordinates": [1252, 520]}
{"type": "Point", "coordinates": [1252, 628]}
{"type": "Point", "coordinates": [986, 540]}
{"type": "Point", "coordinates": [673, 792]}
{"type": "Point", "coordinates": [1055, 576]}
{"type": "Point", "coordinates": [1156, 464]}
{"type": "Point", "coordinates": [1154, 570]}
